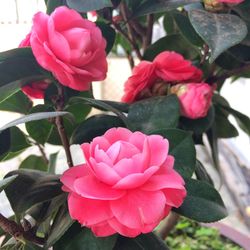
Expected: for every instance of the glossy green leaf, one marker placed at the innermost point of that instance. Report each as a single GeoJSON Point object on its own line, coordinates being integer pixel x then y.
{"type": "Point", "coordinates": [31, 187]}
{"type": "Point", "coordinates": [94, 126]}
{"type": "Point", "coordinates": [202, 174]}
{"type": "Point", "coordinates": [53, 4]}
{"type": "Point", "coordinates": [5, 142]}
{"type": "Point", "coordinates": [219, 31]}
{"type": "Point", "coordinates": [35, 117]}
{"type": "Point", "coordinates": [18, 103]}
{"type": "Point", "coordinates": [181, 146]}
{"type": "Point", "coordinates": [84, 6]}
{"type": "Point", "coordinates": [149, 6]}
{"type": "Point", "coordinates": [142, 242]}
{"type": "Point", "coordinates": [61, 224]}
{"type": "Point", "coordinates": [5, 182]}
{"type": "Point", "coordinates": [174, 42]}
{"type": "Point", "coordinates": [154, 113]}
{"type": "Point", "coordinates": [203, 203]}
{"type": "Point", "coordinates": [108, 33]}
{"type": "Point", "coordinates": [77, 237]}
{"type": "Point", "coordinates": [34, 162]}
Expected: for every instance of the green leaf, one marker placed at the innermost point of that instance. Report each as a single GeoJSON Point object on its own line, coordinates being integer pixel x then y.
{"type": "Point", "coordinates": [149, 6]}
{"type": "Point", "coordinates": [52, 162]}
{"type": "Point", "coordinates": [34, 117]}
{"type": "Point", "coordinates": [181, 146]}
{"type": "Point", "coordinates": [168, 23]}
{"type": "Point", "coordinates": [154, 113]}
{"type": "Point", "coordinates": [94, 126]}
{"type": "Point", "coordinates": [198, 126]}
{"type": "Point", "coordinates": [18, 103]}
{"type": "Point", "coordinates": [219, 31]}
{"type": "Point", "coordinates": [202, 174]}
{"type": "Point", "coordinates": [79, 110]}
{"type": "Point", "coordinates": [34, 162]}
{"type": "Point", "coordinates": [39, 130]}
{"type": "Point", "coordinates": [31, 187]}
{"type": "Point", "coordinates": [202, 203]}
{"type": "Point", "coordinates": [142, 242]}
{"type": "Point", "coordinates": [84, 6]}
{"type": "Point", "coordinates": [108, 33]}
{"type": "Point", "coordinates": [187, 29]}
{"type": "Point", "coordinates": [4, 141]}
{"type": "Point", "coordinates": [61, 224]}
{"type": "Point", "coordinates": [77, 237]}
{"type": "Point", "coordinates": [174, 42]}
{"type": "Point", "coordinates": [5, 182]}
{"type": "Point", "coordinates": [53, 4]}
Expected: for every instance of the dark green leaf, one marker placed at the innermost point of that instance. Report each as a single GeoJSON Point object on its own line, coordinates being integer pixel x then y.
{"type": "Point", "coordinates": [35, 117]}
{"type": "Point", "coordinates": [156, 6]}
{"type": "Point", "coordinates": [202, 174]}
{"type": "Point", "coordinates": [84, 6]}
{"type": "Point", "coordinates": [154, 113]}
{"type": "Point", "coordinates": [108, 33]}
{"type": "Point", "coordinates": [61, 224]}
{"type": "Point", "coordinates": [174, 42]}
{"type": "Point", "coordinates": [52, 4]}
{"type": "Point", "coordinates": [168, 23]}
{"type": "Point", "coordinates": [5, 182]}
{"type": "Point", "coordinates": [219, 31]}
{"type": "Point", "coordinates": [94, 126]}
{"type": "Point", "coordinates": [203, 203]}
{"type": "Point", "coordinates": [34, 162]}
{"type": "Point", "coordinates": [4, 141]}
{"type": "Point", "coordinates": [77, 237]}
{"type": "Point", "coordinates": [52, 162]}
{"type": "Point", "coordinates": [31, 187]}
{"type": "Point", "coordinates": [79, 110]}
{"type": "Point", "coordinates": [187, 29]}
{"type": "Point", "coordinates": [18, 140]}
{"type": "Point", "coordinates": [142, 242]}
{"type": "Point", "coordinates": [181, 146]}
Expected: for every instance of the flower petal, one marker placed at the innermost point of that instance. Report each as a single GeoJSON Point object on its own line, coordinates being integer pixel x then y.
{"type": "Point", "coordinates": [103, 229]}
{"type": "Point", "coordinates": [175, 197]}
{"type": "Point", "coordinates": [90, 187]}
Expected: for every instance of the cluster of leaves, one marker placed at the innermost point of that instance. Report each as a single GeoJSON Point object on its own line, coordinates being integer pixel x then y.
{"type": "Point", "coordinates": [189, 235]}
{"type": "Point", "coordinates": [35, 189]}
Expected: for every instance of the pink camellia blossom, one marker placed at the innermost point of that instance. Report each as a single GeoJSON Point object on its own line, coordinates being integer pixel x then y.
{"type": "Point", "coordinates": [195, 99]}
{"type": "Point", "coordinates": [71, 47]}
{"type": "Point", "coordinates": [152, 78]}
{"type": "Point", "coordinates": [34, 89]}
{"type": "Point", "coordinates": [127, 186]}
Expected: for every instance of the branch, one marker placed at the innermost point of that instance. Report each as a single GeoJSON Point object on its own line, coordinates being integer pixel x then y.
{"type": "Point", "coordinates": [59, 102]}
{"type": "Point", "coordinates": [41, 149]}
{"type": "Point", "coordinates": [228, 74]}
{"type": "Point", "coordinates": [17, 231]}
{"type": "Point", "coordinates": [148, 38]}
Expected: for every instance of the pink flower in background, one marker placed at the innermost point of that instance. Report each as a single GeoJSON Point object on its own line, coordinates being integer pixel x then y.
{"type": "Point", "coordinates": [128, 184]}
{"type": "Point", "coordinates": [36, 89]}
{"type": "Point", "coordinates": [195, 99]}
{"type": "Point", "coordinates": [71, 47]}
{"type": "Point", "coordinates": [167, 68]}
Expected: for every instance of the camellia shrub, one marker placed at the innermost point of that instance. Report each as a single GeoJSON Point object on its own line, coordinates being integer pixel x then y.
{"type": "Point", "coordinates": [139, 154]}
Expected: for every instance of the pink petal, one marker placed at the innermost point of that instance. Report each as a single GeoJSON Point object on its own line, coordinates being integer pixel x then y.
{"type": "Point", "coordinates": [90, 187]}
{"type": "Point", "coordinates": [137, 139]}
{"type": "Point", "coordinates": [117, 134]}
{"type": "Point", "coordinates": [138, 208]}
{"type": "Point", "coordinates": [88, 211]}
{"type": "Point", "coordinates": [122, 229]}
{"type": "Point", "coordinates": [69, 176]}
{"type": "Point", "coordinates": [167, 166]}
{"type": "Point", "coordinates": [135, 180]}
{"type": "Point", "coordinates": [175, 197]}
{"type": "Point", "coordinates": [158, 182]}
{"type": "Point", "coordinates": [102, 229]}
{"type": "Point", "coordinates": [101, 156]}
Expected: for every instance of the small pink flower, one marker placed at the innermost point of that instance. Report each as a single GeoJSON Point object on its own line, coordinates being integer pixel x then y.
{"type": "Point", "coordinates": [167, 68]}
{"type": "Point", "coordinates": [195, 99]}
{"type": "Point", "coordinates": [71, 47]}
{"type": "Point", "coordinates": [128, 184]}
{"type": "Point", "coordinates": [36, 89]}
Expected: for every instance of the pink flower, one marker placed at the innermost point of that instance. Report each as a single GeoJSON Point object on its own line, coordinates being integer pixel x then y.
{"type": "Point", "coordinates": [167, 68]}
{"type": "Point", "coordinates": [128, 184]}
{"type": "Point", "coordinates": [195, 98]}
{"type": "Point", "coordinates": [71, 47]}
{"type": "Point", "coordinates": [35, 89]}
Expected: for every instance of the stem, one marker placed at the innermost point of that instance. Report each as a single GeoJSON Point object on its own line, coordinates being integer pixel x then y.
{"type": "Point", "coordinates": [41, 149]}
{"type": "Point", "coordinates": [204, 56]}
{"type": "Point", "coordinates": [60, 126]}
{"type": "Point", "coordinates": [15, 230]}
{"type": "Point", "coordinates": [228, 74]}
{"type": "Point", "coordinates": [148, 38]}
{"type": "Point", "coordinates": [168, 225]}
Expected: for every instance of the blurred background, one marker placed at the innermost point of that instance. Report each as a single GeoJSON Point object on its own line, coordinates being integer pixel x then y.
{"type": "Point", "coordinates": [15, 24]}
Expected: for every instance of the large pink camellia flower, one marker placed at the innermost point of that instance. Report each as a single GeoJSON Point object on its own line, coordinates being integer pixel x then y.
{"type": "Point", "coordinates": [128, 184]}
{"type": "Point", "coordinates": [195, 98]}
{"type": "Point", "coordinates": [34, 89]}
{"type": "Point", "coordinates": [150, 78]}
{"type": "Point", "coordinates": [71, 47]}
